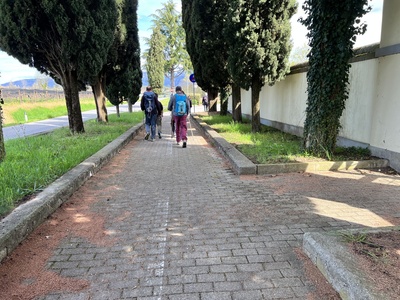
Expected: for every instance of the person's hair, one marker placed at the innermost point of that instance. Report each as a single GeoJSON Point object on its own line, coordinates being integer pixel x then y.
{"type": "Point", "coordinates": [178, 88]}
{"type": "Point", "coordinates": [148, 88]}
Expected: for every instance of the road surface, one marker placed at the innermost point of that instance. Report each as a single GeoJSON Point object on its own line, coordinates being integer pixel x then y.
{"type": "Point", "coordinates": [33, 128]}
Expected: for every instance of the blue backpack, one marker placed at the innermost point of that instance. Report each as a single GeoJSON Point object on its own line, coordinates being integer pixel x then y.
{"type": "Point", "coordinates": [180, 105]}
{"type": "Point", "coordinates": [149, 102]}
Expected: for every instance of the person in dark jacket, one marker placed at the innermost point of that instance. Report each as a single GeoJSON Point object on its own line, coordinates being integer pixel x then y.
{"type": "Point", "coordinates": [160, 109]}
{"type": "Point", "coordinates": [148, 104]}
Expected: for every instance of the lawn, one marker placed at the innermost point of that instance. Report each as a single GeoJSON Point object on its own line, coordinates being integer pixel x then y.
{"type": "Point", "coordinates": [32, 111]}
{"type": "Point", "coordinates": [271, 145]}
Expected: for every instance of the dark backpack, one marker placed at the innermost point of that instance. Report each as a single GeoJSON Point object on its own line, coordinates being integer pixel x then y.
{"type": "Point", "coordinates": [149, 102]}
{"type": "Point", "coordinates": [180, 105]}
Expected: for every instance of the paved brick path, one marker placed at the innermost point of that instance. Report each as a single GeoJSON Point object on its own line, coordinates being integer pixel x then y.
{"type": "Point", "coordinates": [181, 225]}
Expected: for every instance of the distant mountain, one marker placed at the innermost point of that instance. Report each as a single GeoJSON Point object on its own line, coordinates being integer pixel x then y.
{"type": "Point", "coordinates": [167, 82]}
{"type": "Point", "coordinates": [29, 83]}
{"type": "Point", "coordinates": [38, 83]}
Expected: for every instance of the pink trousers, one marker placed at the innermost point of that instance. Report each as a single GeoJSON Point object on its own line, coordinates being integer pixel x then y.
{"type": "Point", "coordinates": [180, 128]}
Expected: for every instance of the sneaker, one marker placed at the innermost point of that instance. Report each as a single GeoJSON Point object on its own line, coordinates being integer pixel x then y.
{"type": "Point", "coordinates": [177, 143]}
{"type": "Point", "coordinates": [146, 137]}
{"type": "Point", "coordinates": [159, 135]}
{"type": "Point", "coordinates": [184, 144]}
{"type": "Point", "coordinates": [151, 140]}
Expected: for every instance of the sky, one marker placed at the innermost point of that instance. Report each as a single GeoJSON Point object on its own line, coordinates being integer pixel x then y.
{"type": "Point", "coordinates": [11, 69]}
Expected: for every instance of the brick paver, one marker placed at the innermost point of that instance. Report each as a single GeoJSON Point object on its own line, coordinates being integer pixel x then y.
{"type": "Point", "coordinates": [184, 226]}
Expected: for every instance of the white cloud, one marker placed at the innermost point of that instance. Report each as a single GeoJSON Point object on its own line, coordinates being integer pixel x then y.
{"type": "Point", "coordinates": [11, 69]}
{"type": "Point", "coordinates": [145, 9]}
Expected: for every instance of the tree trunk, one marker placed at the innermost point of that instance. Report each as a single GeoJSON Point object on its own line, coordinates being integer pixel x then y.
{"type": "Point", "coordinates": [236, 103]}
{"type": "Point", "coordinates": [172, 74]}
{"type": "Point", "coordinates": [71, 91]}
{"type": "Point", "coordinates": [2, 148]}
{"type": "Point", "coordinates": [224, 95]}
{"type": "Point", "coordinates": [100, 99]}
{"type": "Point", "coordinates": [129, 105]}
{"type": "Point", "coordinates": [212, 94]}
{"type": "Point", "coordinates": [255, 106]}
{"type": "Point", "coordinates": [117, 110]}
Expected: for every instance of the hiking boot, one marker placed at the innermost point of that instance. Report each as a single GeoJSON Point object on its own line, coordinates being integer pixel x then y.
{"type": "Point", "coordinates": [146, 137]}
{"type": "Point", "coordinates": [184, 144]}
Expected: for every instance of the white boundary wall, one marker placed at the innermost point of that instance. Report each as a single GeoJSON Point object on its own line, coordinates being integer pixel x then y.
{"type": "Point", "coordinates": [372, 115]}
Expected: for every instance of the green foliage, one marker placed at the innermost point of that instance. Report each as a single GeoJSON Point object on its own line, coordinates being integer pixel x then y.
{"type": "Point", "coordinates": [203, 21]}
{"type": "Point", "coordinates": [123, 72]}
{"type": "Point", "coordinates": [258, 36]}
{"type": "Point", "coordinates": [68, 40]}
{"type": "Point", "coordinates": [169, 20]}
{"type": "Point", "coordinates": [259, 40]}
{"type": "Point", "coordinates": [333, 26]}
{"type": "Point", "coordinates": [35, 162]}
{"type": "Point", "coordinates": [155, 60]}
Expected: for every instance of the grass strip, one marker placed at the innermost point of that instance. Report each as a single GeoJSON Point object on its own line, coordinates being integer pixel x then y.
{"type": "Point", "coordinates": [271, 145]}
{"type": "Point", "coordinates": [32, 163]}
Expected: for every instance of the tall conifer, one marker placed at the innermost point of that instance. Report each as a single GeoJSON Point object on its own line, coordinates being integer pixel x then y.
{"type": "Point", "coordinates": [68, 40]}
{"type": "Point", "coordinates": [155, 60]}
{"type": "Point", "coordinates": [258, 34]}
{"type": "Point", "coordinates": [204, 21]}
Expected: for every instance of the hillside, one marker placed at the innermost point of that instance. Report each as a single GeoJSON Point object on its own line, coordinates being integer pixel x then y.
{"type": "Point", "coordinates": [41, 83]}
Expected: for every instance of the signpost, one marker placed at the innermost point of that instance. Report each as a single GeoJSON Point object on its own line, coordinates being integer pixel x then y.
{"type": "Point", "coordinates": [192, 79]}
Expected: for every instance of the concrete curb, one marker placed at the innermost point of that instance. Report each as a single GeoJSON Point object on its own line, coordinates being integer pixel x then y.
{"type": "Point", "coordinates": [322, 166]}
{"type": "Point", "coordinates": [329, 253]}
{"type": "Point", "coordinates": [242, 165]}
{"type": "Point", "coordinates": [25, 218]}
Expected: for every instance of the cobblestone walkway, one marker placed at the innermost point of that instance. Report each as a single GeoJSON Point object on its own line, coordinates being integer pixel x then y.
{"type": "Point", "coordinates": [180, 225]}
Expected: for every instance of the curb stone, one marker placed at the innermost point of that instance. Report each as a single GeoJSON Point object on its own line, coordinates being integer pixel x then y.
{"type": "Point", "coordinates": [15, 227]}
{"type": "Point", "coordinates": [338, 266]}
{"type": "Point", "coordinates": [242, 165]}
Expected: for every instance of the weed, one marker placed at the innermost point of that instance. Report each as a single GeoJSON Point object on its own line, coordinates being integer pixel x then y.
{"type": "Point", "coordinates": [353, 238]}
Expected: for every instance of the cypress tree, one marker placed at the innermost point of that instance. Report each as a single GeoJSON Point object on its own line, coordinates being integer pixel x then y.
{"type": "Point", "coordinates": [203, 21]}
{"type": "Point", "coordinates": [155, 60]}
{"type": "Point", "coordinates": [176, 57]}
{"type": "Point", "coordinates": [258, 34]}
{"type": "Point", "coordinates": [124, 75]}
{"type": "Point", "coordinates": [68, 40]}
{"type": "Point", "coordinates": [333, 26]}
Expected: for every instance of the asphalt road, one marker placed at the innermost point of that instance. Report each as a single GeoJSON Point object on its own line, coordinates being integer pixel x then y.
{"type": "Point", "coordinates": [33, 128]}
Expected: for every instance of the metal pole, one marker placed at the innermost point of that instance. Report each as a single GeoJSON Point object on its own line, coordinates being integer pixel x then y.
{"type": "Point", "coordinates": [194, 104]}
